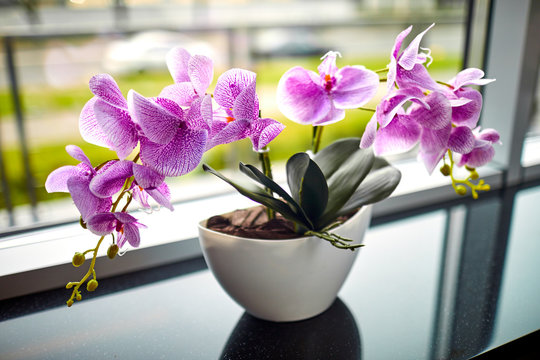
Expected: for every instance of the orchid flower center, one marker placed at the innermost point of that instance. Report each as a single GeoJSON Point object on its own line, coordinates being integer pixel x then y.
{"type": "Point", "coordinates": [229, 119]}
{"type": "Point", "coordinates": [328, 82]}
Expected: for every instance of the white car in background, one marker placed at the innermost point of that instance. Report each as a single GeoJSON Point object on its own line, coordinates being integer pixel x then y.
{"type": "Point", "coordinates": [146, 51]}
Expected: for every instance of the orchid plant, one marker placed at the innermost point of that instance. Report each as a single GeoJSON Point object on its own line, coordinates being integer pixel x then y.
{"type": "Point", "coordinates": [167, 135]}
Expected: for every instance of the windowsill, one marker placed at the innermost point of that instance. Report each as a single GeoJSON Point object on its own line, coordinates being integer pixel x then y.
{"type": "Point", "coordinates": [43, 257]}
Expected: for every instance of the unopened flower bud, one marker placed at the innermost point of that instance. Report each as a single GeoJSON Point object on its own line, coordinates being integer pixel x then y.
{"type": "Point", "coordinates": [461, 190]}
{"type": "Point", "coordinates": [112, 251]}
{"type": "Point", "coordinates": [92, 285]}
{"type": "Point", "coordinates": [445, 170]}
{"type": "Point", "coordinates": [78, 259]}
{"type": "Point", "coordinates": [471, 169]}
{"type": "Point", "coordinates": [79, 297]}
{"type": "Point", "coordinates": [69, 302]}
{"type": "Point", "coordinates": [82, 223]}
{"type": "Point", "coordinates": [474, 175]}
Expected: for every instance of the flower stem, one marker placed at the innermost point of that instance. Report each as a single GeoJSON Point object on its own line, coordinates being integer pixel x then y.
{"type": "Point", "coordinates": [459, 185]}
{"type": "Point", "coordinates": [316, 139]}
{"type": "Point", "coordinates": [76, 294]}
{"type": "Point", "coordinates": [381, 70]}
{"type": "Point", "coordinates": [366, 109]}
{"type": "Point", "coordinates": [264, 158]}
{"type": "Point", "coordinates": [445, 84]}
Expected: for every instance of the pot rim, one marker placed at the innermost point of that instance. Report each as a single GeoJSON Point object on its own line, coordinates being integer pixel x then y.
{"type": "Point", "coordinates": [202, 227]}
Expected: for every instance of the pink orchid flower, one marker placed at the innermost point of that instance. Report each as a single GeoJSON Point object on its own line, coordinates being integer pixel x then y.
{"type": "Point", "coordinates": [319, 99]}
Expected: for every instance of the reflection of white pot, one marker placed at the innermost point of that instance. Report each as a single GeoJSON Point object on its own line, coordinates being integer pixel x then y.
{"type": "Point", "coordinates": [282, 280]}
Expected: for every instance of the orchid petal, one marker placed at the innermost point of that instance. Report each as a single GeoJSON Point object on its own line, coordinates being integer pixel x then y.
{"type": "Point", "coordinates": [408, 58]}
{"type": "Point", "coordinates": [158, 123]}
{"type": "Point", "coordinates": [328, 65]}
{"type": "Point", "coordinates": [117, 124]}
{"type": "Point", "coordinates": [102, 224]}
{"type": "Point", "coordinates": [481, 155]}
{"type": "Point", "coordinates": [178, 157]}
{"type": "Point", "coordinates": [431, 159]}
{"type": "Point", "coordinates": [368, 137]}
{"type": "Point", "coordinates": [468, 113]}
{"type": "Point", "coordinates": [194, 117]}
{"type": "Point", "coordinates": [58, 178]}
{"type": "Point", "coordinates": [206, 110]}
{"type": "Point", "coordinates": [131, 233]}
{"type": "Point", "coordinates": [400, 135]}
{"type": "Point", "coordinates": [355, 87]}
{"type": "Point", "coordinates": [201, 72]}
{"type": "Point", "coordinates": [470, 76]}
{"type": "Point", "coordinates": [246, 104]}
{"type": "Point", "coordinates": [461, 140]}
{"type": "Point", "coordinates": [177, 62]}
{"type": "Point", "coordinates": [86, 202]}
{"type": "Point", "coordinates": [111, 180]}
{"type": "Point", "coordinates": [125, 218]}
{"type": "Point", "coordinates": [391, 74]}
{"type": "Point", "coordinates": [490, 135]}
{"type": "Point", "coordinates": [162, 196]}
{"type": "Point", "coordinates": [399, 40]}
{"type": "Point", "coordinates": [146, 177]}
{"type": "Point", "coordinates": [458, 102]}
{"type": "Point", "coordinates": [230, 84]}
{"type": "Point", "coordinates": [181, 93]}
{"type": "Point", "coordinates": [333, 116]}
{"type": "Point", "coordinates": [433, 141]}
{"type": "Point", "coordinates": [89, 128]}
{"type": "Point", "coordinates": [263, 131]}
{"type": "Point", "coordinates": [76, 152]}
{"type": "Point", "coordinates": [234, 131]}
{"type": "Point", "coordinates": [141, 196]}
{"type": "Point", "coordinates": [438, 116]}
{"type": "Point", "coordinates": [418, 76]}
{"type": "Point", "coordinates": [105, 88]}
{"type": "Point", "coordinates": [391, 105]}
{"type": "Point", "coordinates": [300, 99]}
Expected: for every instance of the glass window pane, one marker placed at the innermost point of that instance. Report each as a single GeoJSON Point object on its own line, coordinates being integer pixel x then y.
{"type": "Point", "coordinates": [53, 69]}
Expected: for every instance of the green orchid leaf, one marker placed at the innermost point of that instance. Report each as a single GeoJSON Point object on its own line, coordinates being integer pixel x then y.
{"type": "Point", "coordinates": [262, 179]}
{"type": "Point", "coordinates": [377, 186]}
{"type": "Point", "coordinates": [259, 195]}
{"type": "Point", "coordinates": [259, 176]}
{"type": "Point", "coordinates": [331, 157]}
{"type": "Point", "coordinates": [308, 185]}
{"type": "Point", "coordinates": [344, 182]}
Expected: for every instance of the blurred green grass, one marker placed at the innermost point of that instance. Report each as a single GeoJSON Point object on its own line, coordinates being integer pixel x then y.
{"type": "Point", "coordinates": [47, 103]}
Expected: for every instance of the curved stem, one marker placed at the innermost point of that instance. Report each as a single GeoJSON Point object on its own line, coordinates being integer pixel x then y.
{"type": "Point", "coordinates": [459, 185]}
{"type": "Point", "coordinates": [75, 294]}
{"type": "Point", "coordinates": [264, 158]}
{"type": "Point", "coordinates": [316, 139]}
{"type": "Point", "coordinates": [445, 84]}
{"type": "Point", "coordinates": [366, 109]}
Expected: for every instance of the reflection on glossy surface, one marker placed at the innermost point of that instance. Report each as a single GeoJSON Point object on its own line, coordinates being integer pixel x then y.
{"type": "Point", "coordinates": [440, 283]}
{"type": "Point", "coordinates": [331, 335]}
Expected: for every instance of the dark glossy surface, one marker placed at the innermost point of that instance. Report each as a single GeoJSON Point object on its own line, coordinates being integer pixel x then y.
{"type": "Point", "coordinates": [416, 291]}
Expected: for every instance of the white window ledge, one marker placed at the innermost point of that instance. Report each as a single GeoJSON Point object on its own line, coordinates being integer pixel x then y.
{"type": "Point", "coordinates": [41, 260]}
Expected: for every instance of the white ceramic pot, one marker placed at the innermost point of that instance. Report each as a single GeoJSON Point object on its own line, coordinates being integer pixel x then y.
{"type": "Point", "coordinates": [282, 280]}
